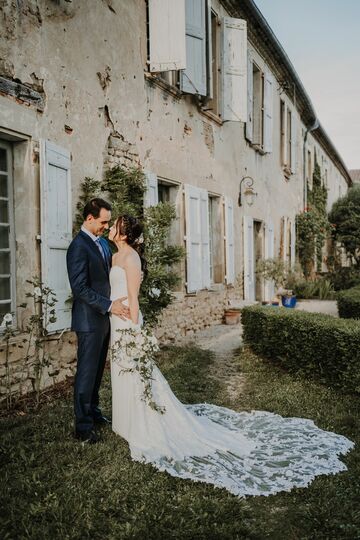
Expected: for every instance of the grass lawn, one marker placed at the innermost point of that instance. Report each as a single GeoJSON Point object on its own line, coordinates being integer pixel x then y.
{"type": "Point", "coordinates": [53, 487]}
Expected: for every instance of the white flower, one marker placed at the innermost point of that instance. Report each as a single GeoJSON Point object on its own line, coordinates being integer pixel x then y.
{"type": "Point", "coordinates": [155, 292]}
{"type": "Point", "coordinates": [7, 319]}
{"type": "Point", "coordinates": [37, 292]}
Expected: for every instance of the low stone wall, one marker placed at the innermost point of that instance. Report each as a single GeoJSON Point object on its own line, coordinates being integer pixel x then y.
{"type": "Point", "coordinates": [186, 315]}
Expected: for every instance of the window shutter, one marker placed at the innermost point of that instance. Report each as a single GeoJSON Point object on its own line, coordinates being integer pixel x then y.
{"type": "Point", "coordinates": [205, 239]}
{"type": "Point", "coordinates": [193, 238]}
{"type": "Point", "coordinates": [293, 243]}
{"type": "Point", "coordinates": [229, 241]}
{"type": "Point", "coordinates": [250, 99]}
{"type": "Point", "coordinates": [283, 247]}
{"type": "Point", "coordinates": [56, 228]}
{"type": "Point", "coordinates": [249, 270]}
{"type": "Point", "coordinates": [293, 143]}
{"type": "Point", "coordinates": [234, 69]}
{"type": "Point", "coordinates": [268, 111]}
{"type": "Point", "coordinates": [269, 254]}
{"type": "Point", "coordinates": [194, 77]}
{"type": "Point", "coordinates": [167, 35]}
{"type": "Point", "coordinates": [151, 197]}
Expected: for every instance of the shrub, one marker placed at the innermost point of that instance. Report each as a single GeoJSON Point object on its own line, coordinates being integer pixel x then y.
{"type": "Point", "coordinates": [311, 344]}
{"type": "Point", "coordinates": [320, 288]}
{"type": "Point", "coordinates": [345, 278]}
{"type": "Point", "coordinates": [349, 303]}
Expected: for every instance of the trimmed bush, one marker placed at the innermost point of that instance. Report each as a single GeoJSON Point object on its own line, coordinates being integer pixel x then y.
{"type": "Point", "coordinates": [348, 303]}
{"type": "Point", "coordinates": [311, 344]}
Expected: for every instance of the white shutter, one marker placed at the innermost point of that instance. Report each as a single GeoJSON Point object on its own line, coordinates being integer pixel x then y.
{"type": "Point", "coordinates": [209, 52]}
{"type": "Point", "coordinates": [250, 98]}
{"type": "Point", "coordinates": [205, 239]}
{"type": "Point", "coordinates": [268, 111]}
{"type": "Point", "coordinates": [151, 197]}
{"type": "Point", "coordinates": [56, 228]}
{"type": "Point", "coordinates": [194, 77]}
{"type": "Point", "coordinates": [229, 241]}
{"type": "Point", "coordinates": [269, 254]}
{"type": "Point", "coordinates": [293, 142]}
{"type": "Point", "coordinates": [284, 237]}
{"type": "Point", "coordinates": [249, 269]}
{"type": "Point", "coordinates": [293, 243]}
{"type": "Point", "coordinates": [167, 35]}
{"type": "Point", "coordinates": [234, 69]}
{"type": "Point", "coordinates": [193, 238]}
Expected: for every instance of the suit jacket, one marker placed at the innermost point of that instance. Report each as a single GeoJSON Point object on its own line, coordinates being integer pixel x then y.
{"type": "Point", "coordinates": [89, 280]}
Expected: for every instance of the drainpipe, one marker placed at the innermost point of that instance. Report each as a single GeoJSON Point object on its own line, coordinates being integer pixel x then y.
{"type": "Point", "coordinates": [308, 130]}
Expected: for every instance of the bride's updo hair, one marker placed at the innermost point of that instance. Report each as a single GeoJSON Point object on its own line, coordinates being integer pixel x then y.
{"type": "Point", "coordinates": [131, 227]}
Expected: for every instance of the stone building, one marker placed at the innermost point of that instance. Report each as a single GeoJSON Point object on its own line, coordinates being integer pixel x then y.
{"type": "Point", "coordinates": [201, 95]}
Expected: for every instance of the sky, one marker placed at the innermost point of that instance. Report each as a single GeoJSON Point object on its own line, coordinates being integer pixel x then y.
{"type": "Point", "coordinates": [322, 40]}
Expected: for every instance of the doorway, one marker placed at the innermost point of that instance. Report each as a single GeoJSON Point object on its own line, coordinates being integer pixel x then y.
{"type": "Point", "coordinates": [258, 256]}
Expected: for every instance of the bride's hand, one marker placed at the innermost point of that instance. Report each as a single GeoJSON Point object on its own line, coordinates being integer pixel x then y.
{"type": "Point", "coordinates": [119, 309]}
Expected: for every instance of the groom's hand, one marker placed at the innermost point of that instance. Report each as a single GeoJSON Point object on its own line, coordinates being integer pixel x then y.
{"type": "Point", "coordinates": [119, 309]}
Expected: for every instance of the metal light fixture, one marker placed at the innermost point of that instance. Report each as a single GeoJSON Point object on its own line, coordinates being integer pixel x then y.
{"type": "Point", "coordinates": [249, 193]}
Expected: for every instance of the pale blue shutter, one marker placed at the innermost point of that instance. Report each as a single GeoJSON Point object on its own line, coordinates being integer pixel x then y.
{"type": "Point", "coordinates": [193, 78]}
{"type": "Point", "coordinates": [249, 266]}
{"type": "Point", "coordinates": [193, 239]}
{"type": "Point", "coordinates": [205, 239]}
{"type": "Point", "coordinates": [268, 111]}
{"type": "Point", "coordinates": [151, 197]}
{"type": "Point", "coordinates": [250, 98]}
{"type": "Point", "coordinates": [269, 254]}
{"type": "Point", "coordinates": [293, 243]}
{"type": "Point", "coordinates": [167, 35]}
{"type": "Point", "coordinates": [229, 241]}
{"type": "Point", "coordinates": [293, 142]}
{"type": "Point", "coordinates": [234, 70]}
{"type": "Point", "coordinates": [56, 228]}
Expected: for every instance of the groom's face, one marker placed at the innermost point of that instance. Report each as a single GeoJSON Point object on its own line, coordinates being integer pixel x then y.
{"type": "Point", "coordinates": [98, 225]}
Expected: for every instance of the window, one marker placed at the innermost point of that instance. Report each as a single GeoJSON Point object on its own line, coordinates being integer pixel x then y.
{"type": "Point", "coordinates": [309, 169]}
{"type": "Point", "coordinates": [7, 237]}
{"type": "Point", "coordinates": [258, 106]}
{"type": "Point", "coordinates": [216, 244]}
{"type": "Point", "coordinates": [289, 140]}
{"type": "Point", "coordinates": [259, 124]}
{"type": "Point", "coordinates": [282, 133]}
{"type": "Point", "coordinates": [214, 103]}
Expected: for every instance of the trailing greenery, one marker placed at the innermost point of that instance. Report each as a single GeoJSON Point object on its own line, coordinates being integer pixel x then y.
{"type": "Point", "coordinates": [53, 487]}
{"type": "Point", "coordinates": [315, 345]}
{"type": "Point", "coordinates": [125, 190]}
{"type": "Point", "coordinates": [313, 226]}
{"type": "Point", "coordinates": [320, 288]}
{"type": "Point", "coordinates": [348, 303]}
{"type": "Point", "coordinates": [345, 219]}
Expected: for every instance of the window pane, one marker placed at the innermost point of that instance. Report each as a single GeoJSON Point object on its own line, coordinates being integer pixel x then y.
{"type": "Point", "coordinates": [3, 160]}
{"type": "Point", "coordinates": [4, 237]}
{"type": "Point", "coordinates": [3, 185]}
{"type": "Point", "coordinates": [4, 213]}
{"type": "Point", "coordinates": [4, 308]}
{"type": "Point", "coordinates": [4, 262]}
{"type": "Point", "coordinates": [4, 288]}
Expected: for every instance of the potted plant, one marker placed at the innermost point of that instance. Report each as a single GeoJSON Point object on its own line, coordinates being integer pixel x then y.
{"type": "Point", "coordinates": [277, 271]}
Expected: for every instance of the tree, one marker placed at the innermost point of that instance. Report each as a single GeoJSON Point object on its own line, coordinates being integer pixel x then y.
{"type": "Point", "coordinates": [345, 219]}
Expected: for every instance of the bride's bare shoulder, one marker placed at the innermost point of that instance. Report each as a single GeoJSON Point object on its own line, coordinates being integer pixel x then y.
{"type": "Point", "coordinates": [132, 260]}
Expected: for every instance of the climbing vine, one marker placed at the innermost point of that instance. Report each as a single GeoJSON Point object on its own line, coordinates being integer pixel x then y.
{"type": "Point", "coordinates": [313, 226]}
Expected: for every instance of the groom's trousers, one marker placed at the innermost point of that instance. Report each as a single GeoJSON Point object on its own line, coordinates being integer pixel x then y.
{"type": "Point", "coordinates": [91, 358]}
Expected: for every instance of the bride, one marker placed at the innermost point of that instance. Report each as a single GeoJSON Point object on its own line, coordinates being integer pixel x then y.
{"type": "Point", "coordinates": [248, 453]}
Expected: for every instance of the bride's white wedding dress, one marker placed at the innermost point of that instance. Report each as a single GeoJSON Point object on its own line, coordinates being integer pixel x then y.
{"type": "Point", "coordinates": [256, 453]}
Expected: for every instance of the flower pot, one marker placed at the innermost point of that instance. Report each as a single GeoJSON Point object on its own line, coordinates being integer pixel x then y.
{"type": "Point", "coordinates": [231, 316]}
{"type": "Point", "coordinates": [288, 301]}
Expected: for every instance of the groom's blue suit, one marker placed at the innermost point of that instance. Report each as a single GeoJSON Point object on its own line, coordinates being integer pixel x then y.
{"type": "Point", "coordinates": [88, 271]}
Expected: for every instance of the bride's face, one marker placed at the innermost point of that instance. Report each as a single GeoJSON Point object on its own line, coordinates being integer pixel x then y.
{"type": "Point", "coordinates": [112, 231]}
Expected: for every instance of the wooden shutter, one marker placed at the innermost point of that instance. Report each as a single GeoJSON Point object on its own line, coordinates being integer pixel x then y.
{"type": "Point", "coordinates": [293, 243]}
{"type": "Point", "coordinates": [229, 241]}
{"type": "Point", "coordinates": [268, 111]}
{"type": "Point", "coordinates": [205, 239]}
{"type": "Point", "coordinates": [193, 238]}
{"type": "Point", "coordinates": [249, 269]}
{"type": "Point", "coordinates": [194, 77]}
{"type": "Point", "coordinates": [56, 227]}
{"type": "Point", "coordinates": [167, 35]}
{"type": "Point", "coordinates": [293, 142]}
{"type": "Point", "coordinates": [250, 99]}
{"type": "Point", "coordinates": [234, 69]}
{"type": "Point", "coordinates": [269, 254]}
{"type": "Point", "coordinates": [151, 197]}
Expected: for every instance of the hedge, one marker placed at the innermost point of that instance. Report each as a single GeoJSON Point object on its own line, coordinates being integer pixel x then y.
{"type": "Point", "coordinates": [348, 303]}
{"type": "Point", "coordinates": [311, 344]}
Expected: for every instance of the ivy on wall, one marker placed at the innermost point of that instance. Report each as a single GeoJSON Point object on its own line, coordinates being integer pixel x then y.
{"type": "Point", "coordinates": [125, 189]}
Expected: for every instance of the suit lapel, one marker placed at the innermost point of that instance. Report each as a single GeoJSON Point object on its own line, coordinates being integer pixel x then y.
{"type": "Point", "coordinates": [95, 249]}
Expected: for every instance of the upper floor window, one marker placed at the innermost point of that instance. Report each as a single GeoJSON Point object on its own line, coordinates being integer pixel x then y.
{"type": "Point", "coordinates": [287, 139]}
{"type": "Point", "coordinates": [259, 124]}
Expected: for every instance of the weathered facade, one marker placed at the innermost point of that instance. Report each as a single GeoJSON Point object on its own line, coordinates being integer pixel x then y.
{"type": "Point", "coordinates": [199, 94]}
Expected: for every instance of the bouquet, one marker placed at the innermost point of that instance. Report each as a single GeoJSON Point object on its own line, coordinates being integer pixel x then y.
{"type": "Point", "coordinates": [138, 347]}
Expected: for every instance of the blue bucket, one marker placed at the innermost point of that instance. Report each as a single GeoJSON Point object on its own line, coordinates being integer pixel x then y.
{"type": "Point", "coordinates": [288, 301]}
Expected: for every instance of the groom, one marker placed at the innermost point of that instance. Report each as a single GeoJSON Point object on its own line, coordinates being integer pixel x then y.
{"type": "Point", "coordinates": [88, 263]}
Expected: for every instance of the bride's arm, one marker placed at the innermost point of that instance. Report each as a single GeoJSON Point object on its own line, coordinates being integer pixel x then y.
{"type": "Point", "coordinates": [133, 278]}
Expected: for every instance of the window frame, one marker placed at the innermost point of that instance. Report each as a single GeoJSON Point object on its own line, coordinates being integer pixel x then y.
{"type": "Point", "coordinates": [11, 225]}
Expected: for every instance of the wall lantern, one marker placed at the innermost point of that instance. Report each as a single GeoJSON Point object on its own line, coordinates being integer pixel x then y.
{"type": "Point", "coordinates": [249, 193]}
